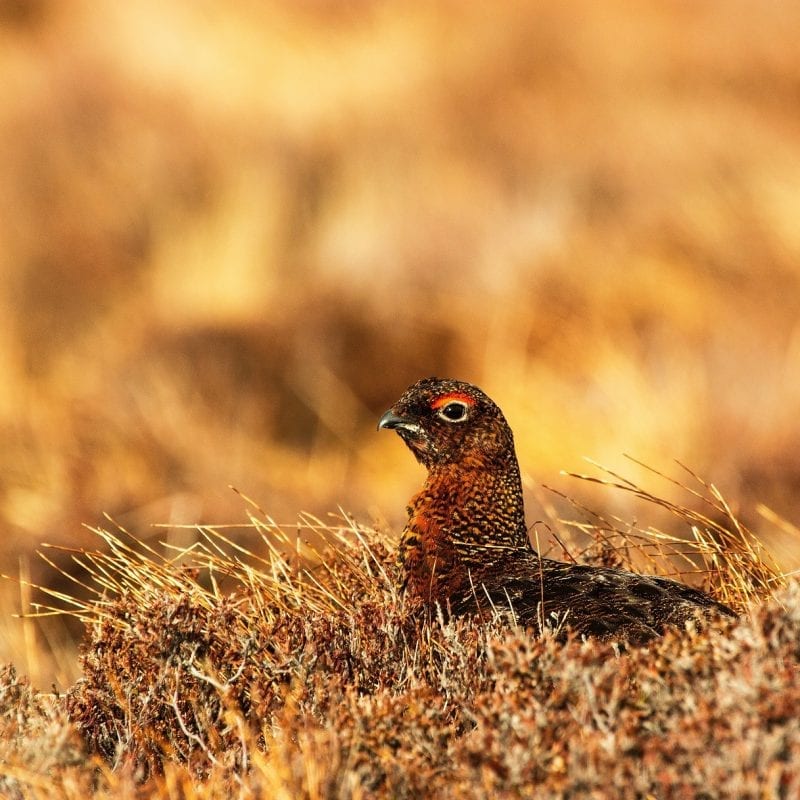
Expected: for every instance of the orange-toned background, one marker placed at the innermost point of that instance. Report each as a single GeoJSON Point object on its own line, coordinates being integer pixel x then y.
{"type": "Point", "coordinates": [232, 233]}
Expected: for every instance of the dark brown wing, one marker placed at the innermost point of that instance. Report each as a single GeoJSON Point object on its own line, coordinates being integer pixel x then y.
{"type": "Point", "coordinates": [593, 601]}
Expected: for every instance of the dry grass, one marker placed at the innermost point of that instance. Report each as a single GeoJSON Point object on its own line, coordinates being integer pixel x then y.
{"type": "Point", "coordinates": [231, 234]}
{"type": "Point", "coordinates": [715, 545]}
{"type": "Point", "coordinates": [295, 670]}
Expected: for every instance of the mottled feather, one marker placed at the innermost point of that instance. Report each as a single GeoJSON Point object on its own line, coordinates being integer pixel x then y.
{"type": "Point", "coordinates": [466, 549]}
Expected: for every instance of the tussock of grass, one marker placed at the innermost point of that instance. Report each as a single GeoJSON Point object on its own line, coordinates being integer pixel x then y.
{"type": "Point", "coordinates": [297, 671]}
{"type": "Point", "coordinates": [733, 562]}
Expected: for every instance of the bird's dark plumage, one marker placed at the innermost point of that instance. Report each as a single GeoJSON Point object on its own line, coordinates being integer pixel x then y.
{"type": "Point", "coordinates": [466, 546]}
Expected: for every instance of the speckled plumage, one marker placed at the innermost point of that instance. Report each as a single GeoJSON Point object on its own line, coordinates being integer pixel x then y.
{"type": "Point", "coordinates": [466, 548]}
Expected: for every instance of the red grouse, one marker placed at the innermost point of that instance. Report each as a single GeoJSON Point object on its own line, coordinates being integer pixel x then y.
{"type": "Point", "coordinates": [466, 546]}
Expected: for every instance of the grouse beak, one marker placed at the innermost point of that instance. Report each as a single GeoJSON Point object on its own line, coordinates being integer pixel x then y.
{"type": "Point", "coordinates": [392, 421]}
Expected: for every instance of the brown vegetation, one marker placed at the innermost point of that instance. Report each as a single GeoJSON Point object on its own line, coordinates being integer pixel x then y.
{"type": "Point", "coordinates": [230, 233]}
{"type": "Point", "coordinates": [303, 674]}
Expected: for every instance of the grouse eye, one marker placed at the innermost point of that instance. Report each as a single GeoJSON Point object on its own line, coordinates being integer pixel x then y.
{"type": "Point", "coordinates": [454, 412]}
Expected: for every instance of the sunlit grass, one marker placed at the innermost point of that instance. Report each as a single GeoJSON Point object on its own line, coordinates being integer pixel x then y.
{"type": "Point", "coordinates": [232, 234]}
{"type": "Point", "coordinates": [225, 666]}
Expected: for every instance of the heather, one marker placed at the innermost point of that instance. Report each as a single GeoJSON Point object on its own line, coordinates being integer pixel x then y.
{"type": "Point", "coordinates": [296, 670]}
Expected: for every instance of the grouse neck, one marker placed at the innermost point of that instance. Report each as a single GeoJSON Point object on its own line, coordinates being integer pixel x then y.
{"type": "Point", "coordinates": [476, 504]}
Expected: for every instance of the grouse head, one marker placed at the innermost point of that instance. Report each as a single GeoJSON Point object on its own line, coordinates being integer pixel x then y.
{"type": "Point", "coordinates": [446, 422]}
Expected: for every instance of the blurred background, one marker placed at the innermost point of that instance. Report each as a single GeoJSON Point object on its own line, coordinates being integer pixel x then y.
{"type": "Point", "coordinates": [232, 233]}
